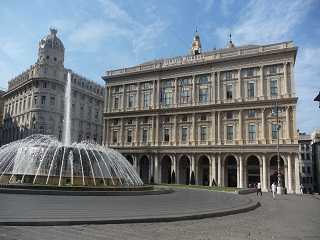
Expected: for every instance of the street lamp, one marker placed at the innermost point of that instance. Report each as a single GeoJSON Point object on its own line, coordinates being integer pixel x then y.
{"type": "Point", "coordinates": [317, 99]}
{"type": "Point", "coordinates": [276, 112]}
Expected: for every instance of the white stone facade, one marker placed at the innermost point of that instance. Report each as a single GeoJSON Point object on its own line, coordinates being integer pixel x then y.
{"type": "Point", "coordinates": [34, 102]}
{"type": "Point", "coordinates": [207, 116]}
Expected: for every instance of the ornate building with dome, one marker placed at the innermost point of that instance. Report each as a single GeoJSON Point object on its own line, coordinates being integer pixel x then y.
{"type": "Point", "coordinates": [209, 118]}
{"type": "Point", "coordinates": [34, 101]}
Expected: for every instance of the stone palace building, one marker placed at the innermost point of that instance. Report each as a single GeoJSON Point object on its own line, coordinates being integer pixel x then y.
{"type": "Point", "coordinates": [207, 118]}
{"type": "Point", "coordinates": [34, 102]}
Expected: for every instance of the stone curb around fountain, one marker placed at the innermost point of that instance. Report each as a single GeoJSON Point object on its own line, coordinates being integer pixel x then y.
{"type": "Point", "coordinates": [252, 205]}
{"type": "Point", "coordinates": [85, 193]}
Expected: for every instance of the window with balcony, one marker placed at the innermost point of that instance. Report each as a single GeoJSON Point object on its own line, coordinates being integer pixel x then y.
{"type": "Point", "coordinates": [251, 88]}
{"type": "Point", "coordinates": [116, 103]}
{"type": "Point", "coordinates": [229, 133]}
{"type": "Point", "coordinates": [129, 136]}
{"type": "Point", "coordinates": [229, 91]}
{"type": "Point", "coordinates": [203, 95]}
{"type": "Point", "coordinates": [274, 87]}
{"type": "Point", "coordinates": [184, 134]}
{"type": "Point", "coordinates": [146, 100]}
{"type": "Point", "coordinates": [274, 131]}
{"type": "Point", "coordinates": [166, 136]}
{"type": "Point", "coordinates": [115, 137]}
{"type": "Point", "coordinates": [203, 133]}
{"type": "Point", "coordinates": [252, 132]}
{"type": "Point", "coordinates": [145, 135]}
{"type": "Point", "coordinates": [130, 101]}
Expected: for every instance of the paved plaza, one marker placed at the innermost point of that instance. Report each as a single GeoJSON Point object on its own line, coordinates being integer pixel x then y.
{"type": "Point", "coordinates": [287, 217]}
{"type": "Point", "coordinates": [36, 209]}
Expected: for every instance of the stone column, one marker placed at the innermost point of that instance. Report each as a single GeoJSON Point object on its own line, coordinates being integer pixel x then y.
{"type": "Point", "coordinates": [153, 131]}
{"type": "Point", "coordinates": [294, 129]}
{"type": "Point", "coordinates": [219, 171]}
{"type": "Point", "coordinates": [240, 127]}
{"type": "Point", "coordinates": [263, 127]}
{"type": "Point", "coordinates": [219, 128]}
{"type": "Point", "coordinates": [176, 96]}
{"type": "Point", "coordinates": [239, 85]}
{"type": "Point", "coordinates": [156, 169]}
{"type": "Point", "coordinates": [106, 132]}
{"type": "Point", "coordinates": [194, 95]}
{"type": "Point", "coordinates": [122, 132]}
{"type": "Point", "coordinates": [138, 96]}
{"type": "Point", "coordinates": [154, 94]}
{"type": "Point", "coordinates": [175, 128]}
{"type": "Point", "coordinates": [124, 97]}
{"type": "Point", "coordinates": [288, 128]}
{"type": "Point", "coordinates": [285, 79]}
{"type": "Point", "coordinates": [193, 168]}
{"type": "Point", "coordinates": [158, 93]}
{"type": "Point", "coordinates": [109, 103]}
{"type": "Point", "coordinates": [293, 90]}
{"type": "Point", "coordinates": [297, 173]}
{"type": "Point", "coordinates": [241, 183]}
{"type": "Point", "coordinates": [137, 132]}
{"type": "Point", "coordinates": [289, 174]}
{"type": "Point", "coordinates": [261, 82]}
{"type": "Point", "coordinates": [213, 175]}
{"type": "Point", "coordinates": [175, 167]}
{"type": "Point", "coordinates": [194, 138]}
{"type": "Point", "coordinates": [219, 88]}
{"type": "Point", "coordinates": [136, 164]}
{"type": "Point", "coordinates": [213, 127]}
{"type": "Point", "coordinates": [213, 88]}
{"type": "Point", "coordinates": [264, 183]}
{"type": "Point", "coordinates": [157, 131]}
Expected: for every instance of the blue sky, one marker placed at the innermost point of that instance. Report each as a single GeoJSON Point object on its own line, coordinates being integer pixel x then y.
{"type": "Point", "coordinates": [104, 34]}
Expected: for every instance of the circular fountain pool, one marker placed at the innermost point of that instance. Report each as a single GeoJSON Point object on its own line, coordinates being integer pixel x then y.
{"type": "Point", "coordinates": [43, 160]}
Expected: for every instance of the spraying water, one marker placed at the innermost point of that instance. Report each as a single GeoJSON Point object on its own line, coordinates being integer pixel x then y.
{"type": "Point", "coordinates": [67, 112]}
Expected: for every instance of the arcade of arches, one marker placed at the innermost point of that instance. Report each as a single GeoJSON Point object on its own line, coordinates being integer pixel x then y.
{"type": "Point", "coordinates": [232, 170]}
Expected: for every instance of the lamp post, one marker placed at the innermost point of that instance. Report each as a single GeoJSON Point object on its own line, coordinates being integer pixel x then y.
{"type": "Point", "coordinates": [279, 187]}
{"type": "Point", "coordinates": [317, 99]}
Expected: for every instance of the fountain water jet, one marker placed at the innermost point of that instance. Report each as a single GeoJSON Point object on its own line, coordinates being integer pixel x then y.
{"type": "Point", "coordinates": [42, 159]}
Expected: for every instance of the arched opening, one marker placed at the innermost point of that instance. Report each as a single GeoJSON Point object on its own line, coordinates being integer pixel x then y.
{"type": "Point", "coordinates": [166, 169]}
{"type": "Point", "coordinates": [231, 171]}
{"type": "Point", "coordinates": [130, 159]}
{"type": "Point", "coordinates": [184, 170]}
{"type": "Point", "coordinates": [253, 171]}
{"type": "Point", "coordinates": [144, 169]}
{"type": "Point", "coordinates": [203, 171]}
{"type": "Point", "coordinates": [274, 170]}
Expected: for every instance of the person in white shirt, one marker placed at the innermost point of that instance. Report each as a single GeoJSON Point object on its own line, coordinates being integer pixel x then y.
{"type": "Point", "coordinates": [274, 189]}
{"type": "Point", "coordinates": [259, 191]}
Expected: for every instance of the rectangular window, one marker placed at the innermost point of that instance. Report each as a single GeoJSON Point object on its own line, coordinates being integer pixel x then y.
{"type": "Point", "coordinates": [116, 103]}
{"type": "Point", "coordinates": [252, 132]}
{"type": "Point", "coordinates": [145, 135]}
{"type": "Point", "coordinates": [308, 156]}
{"type": "Point", "coordinates": [302, 156]}
{"type": "Point", "coordinates": [115, 136]}
{"type": "Point", "coordinates": [228, 75]}
{"type": "Point", "coordinates": [250, 72]}
{"type": "Point", "coordinates": [166, 97]}
{"type": "Point", "coordinates": [251, 113]}
{"type": "Point", "coordinates": [229, 91]}
{"type": "Point", "coordinates": [203, 95]}
{"type": "Point", "coordinates": [185, 95]}
{"type": "Point", "coordinates": [274, 87]}
{"type": "Point", "coordinates": [274, 131]}
{"type": "Point", "coordinates": [43, 99]}
{"type": "Point", "coordinates": [35, 100]}
{"type": "Point", "coordinates": [308, 170]}
{"type": "Point", "coordinates": [303, 170]}
{"type": "Point", "coordinates": [129, 136]}
{"type": "Point", "coordinates": [203, 133]}
{"type": "Point", "coordinates": [229, 133]}
{"type": "Point", "coordinates": [184, 118]}
{"type": "Point", "coordinates": [184, 134]}
{"type": "Point", "coordinates": [203, 117]}
{"type": "Point", "coordinates": [273, 69]}
{"type": "Point", "coordinates": [166, 136]}
{"type": "Point", "coordinates": [146, 100]}
{"type": "Point", "coordinates": [130, 101]}
{"type": "Point", "coordinates": [251, 87]}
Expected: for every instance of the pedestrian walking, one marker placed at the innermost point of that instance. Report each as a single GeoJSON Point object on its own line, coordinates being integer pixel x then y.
{"type": "Point", "coordinates": [274, 190]}
{"type": "Point", "coordinates": [259, 191]}
{"type": "Point", "coordinates": [301, 190]}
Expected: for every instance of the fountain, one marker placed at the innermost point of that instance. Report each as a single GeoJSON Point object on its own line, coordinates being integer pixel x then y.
{"type": "Point", "coordinates": [43, 160]}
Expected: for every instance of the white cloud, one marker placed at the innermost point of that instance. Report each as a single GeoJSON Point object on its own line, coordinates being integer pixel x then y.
{"type": "Point", "coordinates": [266, 21]}
{"type": "Point", "coordinates": [308, 86]}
